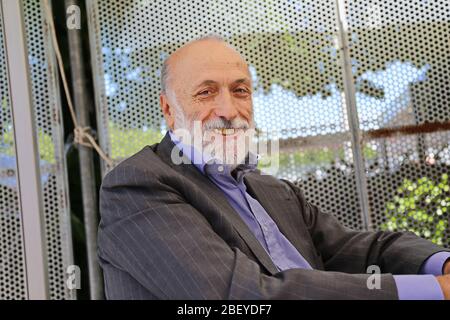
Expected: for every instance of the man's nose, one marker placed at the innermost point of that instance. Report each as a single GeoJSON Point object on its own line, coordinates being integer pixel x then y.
{"type": "Point", "coordinates": [226, 108]}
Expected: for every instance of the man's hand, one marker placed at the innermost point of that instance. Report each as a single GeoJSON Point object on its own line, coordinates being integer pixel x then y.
{"type": "Point", "coordinates": [444, 282]}
{"type": "Point", "coordinates": [447, 267]}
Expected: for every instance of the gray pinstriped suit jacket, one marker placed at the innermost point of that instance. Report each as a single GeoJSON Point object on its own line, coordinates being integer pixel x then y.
{"type": "Point", "coordinates": [167, 232]}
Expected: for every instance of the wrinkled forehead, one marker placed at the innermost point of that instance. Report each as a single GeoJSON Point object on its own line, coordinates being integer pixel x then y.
{"type": "Point", "coordinates": [206, 61]}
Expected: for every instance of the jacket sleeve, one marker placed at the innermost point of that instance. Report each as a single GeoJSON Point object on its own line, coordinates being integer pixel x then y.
{"type": "Point", "coordinates": [151, 233]}
{"type": "Point", "coordinates": [346, 250]}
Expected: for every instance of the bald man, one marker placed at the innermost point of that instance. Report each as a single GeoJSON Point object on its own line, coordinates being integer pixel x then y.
{"type": "Point", "coordinates": [193, 218]}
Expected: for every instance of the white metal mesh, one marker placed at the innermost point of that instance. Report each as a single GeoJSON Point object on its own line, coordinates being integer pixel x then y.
{"type": "Point", "coordinates": [294, 60]}
{"type": "Point", "coordinates": [296, 63]}
{"type": "Point", "coordinates": [406, 99]}
{"type": "Point", "coordinates": [46, 100]}
{"type": "Point", "coordinates": [12, 256]}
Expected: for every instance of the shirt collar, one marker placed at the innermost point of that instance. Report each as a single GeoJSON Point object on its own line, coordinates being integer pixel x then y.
{"type": "Point", "coordinates": [210, 165]}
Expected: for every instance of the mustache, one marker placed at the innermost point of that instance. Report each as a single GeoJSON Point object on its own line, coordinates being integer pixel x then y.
{"type": "Point", "coordinates": [237, 123]}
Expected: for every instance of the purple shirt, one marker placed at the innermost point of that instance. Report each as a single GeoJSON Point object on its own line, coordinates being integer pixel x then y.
{"type": "Point", "coordinates": [282, 252]}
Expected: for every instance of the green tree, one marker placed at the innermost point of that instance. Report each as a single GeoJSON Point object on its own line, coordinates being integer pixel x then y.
{"type": "Point", "coordinates": [421, 207]}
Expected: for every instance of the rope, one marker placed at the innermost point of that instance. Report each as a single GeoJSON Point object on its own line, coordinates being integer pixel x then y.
{"type": "Point", "coordinates": [82, 134]}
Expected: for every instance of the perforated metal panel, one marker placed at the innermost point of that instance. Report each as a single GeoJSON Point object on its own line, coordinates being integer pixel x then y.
{"type": "Point", "coordinates": [12, 260]}
{"type": "Point", "coordinates": [51, 147]}
{"type": "Point", "coordinates": [46, 101]}
{"type": "Point", "coordinates": [398, 55]}
{"type": "Point", "coordinates": [291, 47]}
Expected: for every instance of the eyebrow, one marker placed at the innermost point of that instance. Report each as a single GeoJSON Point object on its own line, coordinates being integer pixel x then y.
{"type": "Point", "coordinates": [212, 82]}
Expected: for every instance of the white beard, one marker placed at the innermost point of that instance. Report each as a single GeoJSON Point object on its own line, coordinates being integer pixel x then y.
{"type": "Point", "coordinates": [230, 151]}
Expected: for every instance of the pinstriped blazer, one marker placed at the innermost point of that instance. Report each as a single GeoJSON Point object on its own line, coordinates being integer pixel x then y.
{"type": "Point", "coordinates": [167, 232]}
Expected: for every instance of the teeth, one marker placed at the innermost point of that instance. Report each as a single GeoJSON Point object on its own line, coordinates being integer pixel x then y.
{"type": "Point", "coordinates": [227, 131]}
{"type": "Point", "coordinates": [224, 132]}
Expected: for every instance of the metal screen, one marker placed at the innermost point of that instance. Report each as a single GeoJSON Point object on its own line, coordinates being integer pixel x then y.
{"type": "Point", "coordinates": [12, 256]}
{"type": "Point", "coordinates": [305, 93]}
{"type": "Point", "coordinates": [51, 149]}
{"type": "Point", "coordinates": [46, 102]}
{"type": "Point", "coordinates": [400, 56]}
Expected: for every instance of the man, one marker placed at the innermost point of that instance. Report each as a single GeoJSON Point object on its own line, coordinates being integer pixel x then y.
{"type": "Point", "coordinates": [211, 226]}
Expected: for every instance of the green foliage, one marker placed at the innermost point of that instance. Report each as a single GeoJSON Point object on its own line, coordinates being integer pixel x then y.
{"type": "Point", "coordinates": [46, 146]}
{"type": "Point", "coordinates": [421, 207]}
{"type": "Point", "coordinates": [126, 142]}
{"type": "Point", "coordinates": [311, 157]}
{"type": "Point", "coordinates": [302, 158]}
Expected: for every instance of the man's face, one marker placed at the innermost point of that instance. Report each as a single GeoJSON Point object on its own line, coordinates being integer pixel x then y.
{"type": "Point", "coordinates": [210, 85]}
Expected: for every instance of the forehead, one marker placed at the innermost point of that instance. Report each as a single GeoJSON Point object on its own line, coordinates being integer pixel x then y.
{"type": "Point", "coordinates": [206, 60]}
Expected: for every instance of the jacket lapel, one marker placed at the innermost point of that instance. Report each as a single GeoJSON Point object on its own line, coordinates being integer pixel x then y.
{"type": "Point", "coordinates": [283, 210]}
{"type": "Point", "coordinates": [164, 150]}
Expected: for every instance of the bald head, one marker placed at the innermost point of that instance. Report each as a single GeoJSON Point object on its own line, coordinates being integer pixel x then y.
{"type": "Point", "coordinates": [201, 50]}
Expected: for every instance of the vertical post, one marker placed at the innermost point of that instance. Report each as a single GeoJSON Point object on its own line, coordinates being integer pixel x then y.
{"type": "Point", "coordinates": [93, 29]}
{"type": "Point", "coordinates": [352, 113]}
{"type": "Point", "coordinates": [85, 154]}
{"type": "Point", "coordinates": [29, 180]}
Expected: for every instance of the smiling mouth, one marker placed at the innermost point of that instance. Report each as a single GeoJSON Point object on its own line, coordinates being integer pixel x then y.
{"type": "Point", "coordinates": [225, 132]}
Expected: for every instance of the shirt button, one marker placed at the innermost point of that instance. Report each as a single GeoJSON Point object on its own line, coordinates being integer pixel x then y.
{"type": "Point", "coordinates": [220, 168]}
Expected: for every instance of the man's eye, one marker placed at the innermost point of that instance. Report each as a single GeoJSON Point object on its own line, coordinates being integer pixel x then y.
{"type": "Point", "coordinates": [204, 93]}
{"type": "Point", "coordinates": [241, 90]}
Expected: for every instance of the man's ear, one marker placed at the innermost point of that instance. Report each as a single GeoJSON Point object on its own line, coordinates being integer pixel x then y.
{"type": "Point", "coordinates": [167, 111]}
